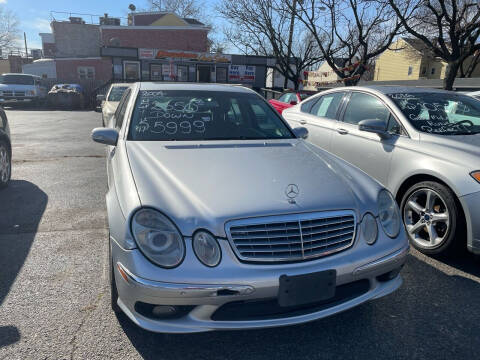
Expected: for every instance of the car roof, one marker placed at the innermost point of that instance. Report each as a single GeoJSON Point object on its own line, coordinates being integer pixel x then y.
{"type": "Point", "coordinates": [35, 76]}
{"type": "Point", "coordinates": [193, 86]}
{"type": "Point", "coordinates": [392, 89]}
{"type": "Point", "coordinates": [121, 84]}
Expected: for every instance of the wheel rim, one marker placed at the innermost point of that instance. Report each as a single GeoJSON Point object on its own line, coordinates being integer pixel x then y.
{"type": "Point", "coordinates": [426, 218]}
{"type": "Point", "coordinates": [4, 165]}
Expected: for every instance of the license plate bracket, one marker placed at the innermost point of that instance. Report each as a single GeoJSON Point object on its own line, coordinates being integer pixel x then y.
{"type": "Point", "coordinates": [306, 288]}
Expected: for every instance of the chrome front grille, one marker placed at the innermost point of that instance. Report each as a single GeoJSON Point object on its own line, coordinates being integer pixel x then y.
{"type": "Point", "coordinates": [293, 237]}
{"type": "Point", "coordinates": [13, 93]}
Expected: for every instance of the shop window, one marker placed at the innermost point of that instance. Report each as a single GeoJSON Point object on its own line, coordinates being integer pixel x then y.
{"type": "Point", "coordinates": [221, 75]}
{"type": "Point", "coordinates": [433, 71]}
{"type": "Point", "coordinates": [86, 72]}
{"type": "Point", "coordinates": [131, 70]}
{"type": "Point", "coordinates": [182, 73]}
{"type": "Point", "coordinates": [155, 72]}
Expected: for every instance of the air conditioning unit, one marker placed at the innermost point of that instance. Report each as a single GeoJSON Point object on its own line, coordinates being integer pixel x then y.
{"type": "Point", "coordinates": [105, 20]}
{"type": "Point", "coordinates": [76, 20]}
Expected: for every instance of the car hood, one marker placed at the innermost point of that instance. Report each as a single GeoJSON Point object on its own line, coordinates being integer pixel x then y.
{"type": "Point", "coordinates": [16, 87]}
{"type": "Point", "coordinates": [463, 148]}
{"type": "Point", "coordinates": [203, 185]}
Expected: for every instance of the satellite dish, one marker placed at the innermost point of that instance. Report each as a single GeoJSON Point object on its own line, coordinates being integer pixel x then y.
{"type": "Point", "coordinates": [132, 7]}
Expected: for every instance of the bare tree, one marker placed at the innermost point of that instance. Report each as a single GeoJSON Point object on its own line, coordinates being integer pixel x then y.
{"type": "Point", "coordinates": [266, 27]}
{"type": "Point", "coordinates": [355, 31]}
{"type": "Point", "coordinates": [9, 32]}
{"type": "Point", "coordinates": [471, 64]}
{"type": "Point", "coordinates": [450, 29]}
{"type": "Point", "coordinates": [183, 8]}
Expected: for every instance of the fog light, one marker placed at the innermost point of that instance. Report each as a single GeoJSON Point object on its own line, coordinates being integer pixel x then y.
{"type": "Point", "coordinates": [369, 229]}
{"type": "Point", "coordinates": [164, 311]}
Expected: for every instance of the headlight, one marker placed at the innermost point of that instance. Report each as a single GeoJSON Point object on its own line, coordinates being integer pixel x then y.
{"type": "Point", "coordinates": [158, 238]}
{"type": "Point", "coordinates": [206, 248]}
{"type": "Point", "coordinates": [369, 229]}
{"type": "Point", "coordinates": [388, 213]}
{"type": "Point", "coordinates": [476, 175]}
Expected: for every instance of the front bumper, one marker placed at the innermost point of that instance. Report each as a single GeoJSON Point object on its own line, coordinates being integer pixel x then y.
{"type": "Point", "coordinates": [241, 283]}
{"type": "Point", "coordinates": [471, 208]}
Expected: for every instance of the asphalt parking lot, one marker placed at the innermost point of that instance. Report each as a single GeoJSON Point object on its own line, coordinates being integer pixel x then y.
{"type": "Point", "coordinates": [54, 299]}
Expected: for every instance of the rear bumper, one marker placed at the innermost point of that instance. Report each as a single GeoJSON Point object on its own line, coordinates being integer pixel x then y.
{"type": "Point", "coordinates": [471, 208]}
{"type": "Point", "coordinates": [204, 300]}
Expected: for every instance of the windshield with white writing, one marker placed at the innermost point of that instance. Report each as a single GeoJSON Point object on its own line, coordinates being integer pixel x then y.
{"type": "Point", "coordinates": [166, 115]}
{"type": "Point", "coordinates": [16, 79]}
{"type": "Point", "coordinates": [440, 113]}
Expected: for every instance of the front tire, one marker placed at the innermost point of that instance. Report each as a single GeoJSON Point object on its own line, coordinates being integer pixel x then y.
{"type": "Point", "coordinates": [430, 215]}
{"type": "Point", "coordinates": [113, 286]}
{"type": "Point", "coordinates": [5, 164]}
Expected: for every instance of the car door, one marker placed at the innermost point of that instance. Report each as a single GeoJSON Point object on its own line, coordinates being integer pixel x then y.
{"type": "Point", "coordinates": [366, 150]}
{"type": "Point", "coordinates": [321, 119]}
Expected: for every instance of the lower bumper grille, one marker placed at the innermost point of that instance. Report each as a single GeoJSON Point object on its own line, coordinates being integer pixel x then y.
{"type": "Point", "coordinates": [293, 237]}
{"type": "Point", "coordinates": [269, 309]}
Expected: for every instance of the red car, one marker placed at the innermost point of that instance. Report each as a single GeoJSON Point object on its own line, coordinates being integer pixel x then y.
{"type": "Point", "coordinates": [289, 99]}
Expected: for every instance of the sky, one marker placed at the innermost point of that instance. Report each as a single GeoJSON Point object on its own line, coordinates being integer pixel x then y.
{"type": "Point", "coordinates": [35, 15]}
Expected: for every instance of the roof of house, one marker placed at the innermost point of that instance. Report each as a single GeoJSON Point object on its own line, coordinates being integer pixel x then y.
{"type": "Point", "coordinates": [145, 19]}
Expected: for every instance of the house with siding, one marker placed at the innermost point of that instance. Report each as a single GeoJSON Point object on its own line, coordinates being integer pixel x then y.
{"type": "Point", "coordinates": [409, 59]}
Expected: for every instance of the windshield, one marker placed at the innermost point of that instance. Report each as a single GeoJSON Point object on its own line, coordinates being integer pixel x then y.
{"type": "Point", "coordinates": [440, 113]}
{"type": "Point", "coordinates": [16, 79]}
{"type": "Point", "coordinates": [116, 93]}
{"type": "Point", "coordinates": [204, 115]}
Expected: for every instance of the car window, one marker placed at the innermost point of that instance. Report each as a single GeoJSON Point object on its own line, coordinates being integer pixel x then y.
{"type": "Point", "coordinates": [440, 113]}
{"type": "Point", "coordinates": [166, 115]}
{"type": "Point", "coordinates": [122, 107]}
{"type": "Point", "coordinates": [284, 98]}
{"type": "Point", "coordinates": [328, 105]}
{"type": "Point", "coordinates": [394, 127]}
{"type": "Point", "coordinates": [303, 96]}
{"type": "Point", "coordinates": [116, 93]}
{"type": "Point", "coordinates": [362, 107]}
{"type": "Point", "coordinates": [307, 105]}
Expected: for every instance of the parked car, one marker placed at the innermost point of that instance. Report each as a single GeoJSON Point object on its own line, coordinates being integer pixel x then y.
{"type": "Point", "coordinates": [288, 99]}
{"type": "Point", "coordinates": [66, 96]}
{"type": "Point", "coordinates": [21, 88]}
{"type": "Point", "coordinates": [421, 144]}
{"type": "Point", "coordinates": [220, 218]}
{"type": "Point", "coordinates": [110, 101]}
{"type": "Point", "coordinates": [5, 150]}
{"type": "Point", "coordinates": [475, 94]}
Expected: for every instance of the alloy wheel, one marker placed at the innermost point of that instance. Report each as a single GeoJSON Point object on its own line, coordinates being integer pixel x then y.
{"type": "Point", "coordinates": [4, 164]}
{"type": "Point", "coordinates": [426, 218]}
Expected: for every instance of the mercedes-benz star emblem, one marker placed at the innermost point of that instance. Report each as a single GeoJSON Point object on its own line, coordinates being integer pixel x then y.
{"type": "Point", "coordinates": [292, 192]}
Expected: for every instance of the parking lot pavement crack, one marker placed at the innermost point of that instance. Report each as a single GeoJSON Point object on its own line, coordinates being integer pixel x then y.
{"type": "Point", "coordinates": [87, 310]}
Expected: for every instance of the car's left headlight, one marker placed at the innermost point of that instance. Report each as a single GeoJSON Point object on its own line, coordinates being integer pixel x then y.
{"type": "Point", "coordinates": [206, 248]}
{"type": "Point", "coordinates": [158, 238]}
{"type": "Point", "coordinates": [388, 213]}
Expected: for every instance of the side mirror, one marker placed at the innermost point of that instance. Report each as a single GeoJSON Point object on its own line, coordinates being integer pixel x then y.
{"type": "Point", "coordinates": [107, 136]}
{"type": "Point", "coordinates": [293, 102]}
{"type": "Point", "coordinates": [374, 126]}
{"type": "Point", "coordinates": [300, 132]}
{"type": "Point", "coordinates": [100, 98]}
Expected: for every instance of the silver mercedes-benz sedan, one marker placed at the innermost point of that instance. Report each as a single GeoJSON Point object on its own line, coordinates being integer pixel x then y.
{"type": "Point", "coordinates": [421, 144]}
{"type": "Point", "coordinates": [222, 217]}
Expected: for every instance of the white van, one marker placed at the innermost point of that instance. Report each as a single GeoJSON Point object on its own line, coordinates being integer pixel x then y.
{"type": "Point", "coordinates": [21, 88]}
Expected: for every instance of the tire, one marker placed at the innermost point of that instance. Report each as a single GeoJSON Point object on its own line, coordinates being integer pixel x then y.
{"type": "Point", "coordinates": [5, 164]}
{"type": "Point", "coordinates": [113, 287]}
{"type": "Point", "coordinates": [430, 215]}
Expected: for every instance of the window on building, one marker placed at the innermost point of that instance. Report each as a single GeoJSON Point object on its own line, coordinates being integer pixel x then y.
{"type": "Point", "coordinates": [182, 73]}
{"type": "Point", "coordinates": [86, 72]}
{"type": "Point", "coordinates": [156, 72]}
{"type": "Point", "coordinates": [221, 74]}
{"type": "Point", "coordinates": [432, 71]}
{"type": "Point", "coordinates": [410, 70]}
{"type": "Point", "coordinates": [424, 70]}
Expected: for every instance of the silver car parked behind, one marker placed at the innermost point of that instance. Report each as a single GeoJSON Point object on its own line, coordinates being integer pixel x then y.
{"type": "Point", "coordinates": [421, 144]}
{"type": "Point", "coordinates": [222, 217]}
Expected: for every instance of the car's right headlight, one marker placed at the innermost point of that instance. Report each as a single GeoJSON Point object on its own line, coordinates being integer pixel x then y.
{"type": "Point", "coordinates": [388, 213]}
{"type": "Point", "coordinates": [158, 238]}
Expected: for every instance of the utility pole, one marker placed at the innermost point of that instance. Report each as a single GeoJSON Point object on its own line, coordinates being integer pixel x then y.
{"type": "Point", "coordinates": [26, 49]}
{"type": "Point", "coordinates": [290, 39]}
